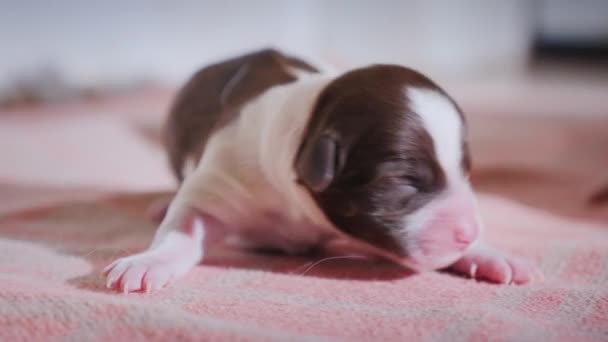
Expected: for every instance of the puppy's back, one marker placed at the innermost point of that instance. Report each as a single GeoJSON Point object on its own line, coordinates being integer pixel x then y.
{"type": "Point", "coordinates": [214, 96]}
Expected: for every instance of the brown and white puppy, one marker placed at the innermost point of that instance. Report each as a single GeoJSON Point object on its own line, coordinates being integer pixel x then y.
{"type": "Point", "coordinates": [289, 158]}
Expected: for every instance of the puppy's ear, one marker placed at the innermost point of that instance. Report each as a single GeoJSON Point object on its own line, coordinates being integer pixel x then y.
{"type": "Point", "coordinates": [319, 162]}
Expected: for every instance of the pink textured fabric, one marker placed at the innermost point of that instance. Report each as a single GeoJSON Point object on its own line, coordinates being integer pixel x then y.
{"type": "Point", "coordinates": [55, 239]}
{"type": "Point", "coordinates": [51, 288]}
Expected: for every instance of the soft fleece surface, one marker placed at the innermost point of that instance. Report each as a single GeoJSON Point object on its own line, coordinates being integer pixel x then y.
{"type": "Point", "coordinates": [54, 239]}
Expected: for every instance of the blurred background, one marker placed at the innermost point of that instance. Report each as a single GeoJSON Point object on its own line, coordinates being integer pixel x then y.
{"type": "Point", "coordinates": [84, 86]}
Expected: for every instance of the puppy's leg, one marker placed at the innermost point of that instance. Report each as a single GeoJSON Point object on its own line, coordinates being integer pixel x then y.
{"type": "Point", "coordinates": [176, 248]}
{"type": "Point", "coordinates": [483, 262]}
{"type": "Point", "coordinates": [157, 211]}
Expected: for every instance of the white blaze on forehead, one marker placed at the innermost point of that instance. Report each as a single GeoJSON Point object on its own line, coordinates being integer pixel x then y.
{"type": "Point", "coordinates": [442, 121]}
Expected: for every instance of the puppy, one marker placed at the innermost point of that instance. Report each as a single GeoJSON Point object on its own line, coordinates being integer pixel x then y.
{"type": "Point", "coordinates": [286, 157]}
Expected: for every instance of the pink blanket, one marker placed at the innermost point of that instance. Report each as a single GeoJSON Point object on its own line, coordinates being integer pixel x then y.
{"type": "Point", "coordinates": [54, 240]}
{"type": "Point", "coordinates": [51, 286]}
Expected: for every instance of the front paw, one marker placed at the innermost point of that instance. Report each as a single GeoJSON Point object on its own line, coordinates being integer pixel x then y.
{"type": "Point", "coordinates": [147, 271]}
{"type": "Point", "coordinates": [485, 263]}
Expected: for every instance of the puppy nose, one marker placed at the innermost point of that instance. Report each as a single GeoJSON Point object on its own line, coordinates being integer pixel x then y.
{"type": "Point", "coordinates": [466, 232]}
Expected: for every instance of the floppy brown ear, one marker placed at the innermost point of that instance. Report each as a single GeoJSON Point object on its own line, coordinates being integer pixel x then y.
{"type": "Point", "coordinates": [318, 162]}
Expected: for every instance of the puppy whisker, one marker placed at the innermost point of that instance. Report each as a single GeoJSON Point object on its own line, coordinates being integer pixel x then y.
{"type": "Point", "coordinates": [329, 258]}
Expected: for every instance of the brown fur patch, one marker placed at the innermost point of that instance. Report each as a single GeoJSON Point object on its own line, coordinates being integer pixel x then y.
{"type": "Point", "coordinates": [214, 96]}
{"type": "Point", "coordinates": [382, 152]}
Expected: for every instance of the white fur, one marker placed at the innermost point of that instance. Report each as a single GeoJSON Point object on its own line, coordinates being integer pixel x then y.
{"type": "Point", "coordinates": [442, 122]}
{"type": "Point", "coordinates": [246, 178]}
{"type": "Point", "coordinates": [167, 258]}
{"type": "Point", "coordinates": [441, 119]}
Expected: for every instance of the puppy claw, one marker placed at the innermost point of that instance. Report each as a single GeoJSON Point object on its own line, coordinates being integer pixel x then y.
{"type": "Point", "coordinates": [110, 283]}
{"type": "Point", "coordinates": [473, 270]}
{"type": "Point", "coordinates": [149, 271]}
{"type": "Point", "coordinates": [484, 263]}
{"type": "Point", "coordinates": [125, 288]}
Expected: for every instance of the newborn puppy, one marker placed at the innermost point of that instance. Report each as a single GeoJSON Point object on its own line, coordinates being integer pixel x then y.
{"type": "Point", "coordinates": [289, 158]}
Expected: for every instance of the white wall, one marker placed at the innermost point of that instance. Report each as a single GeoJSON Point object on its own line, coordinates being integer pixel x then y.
{"type": "Point", "coordinates": [585, 20]}
{"type": "Point", "coordinates": [113, 40]}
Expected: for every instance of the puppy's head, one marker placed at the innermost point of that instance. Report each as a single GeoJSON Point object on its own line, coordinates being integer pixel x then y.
{"type": "Point", "coordinates": [385, 157]}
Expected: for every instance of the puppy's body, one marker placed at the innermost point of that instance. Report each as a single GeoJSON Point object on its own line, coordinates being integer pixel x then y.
{"type": "Point", "coordinates": [377, 155]}
{"type": "Point", "coordinates": [245, 178]}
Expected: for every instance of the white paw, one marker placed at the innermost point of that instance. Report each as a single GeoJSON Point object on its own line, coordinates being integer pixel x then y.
{"type": "Point", "coordinates": [487, 264]}
{"type": "Point", "coordinates": [147, 271]}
